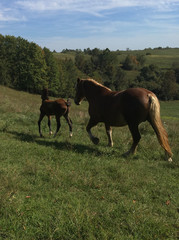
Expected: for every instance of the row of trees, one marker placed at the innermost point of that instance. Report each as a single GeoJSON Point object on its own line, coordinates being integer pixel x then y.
{"type": "Point", "coordinates": [26, 66]}
{"type": "Point", "coordinates": [104, 66]}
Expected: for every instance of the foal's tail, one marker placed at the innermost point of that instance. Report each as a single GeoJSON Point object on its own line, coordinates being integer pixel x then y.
{"type": "Point", "coordinates": [68, 102]}
{"type": "Point", "coordinates": [157, 125]}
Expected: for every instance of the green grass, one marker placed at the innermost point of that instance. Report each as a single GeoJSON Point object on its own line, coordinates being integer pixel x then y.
{"type": "Point", "coordinates": [68, 188]}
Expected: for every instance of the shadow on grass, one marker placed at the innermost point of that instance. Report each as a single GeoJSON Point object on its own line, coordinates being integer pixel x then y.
{"type": "Point", "coordinates": [69, 145]}
{"type": "Point", "coordinates": [66, 145]}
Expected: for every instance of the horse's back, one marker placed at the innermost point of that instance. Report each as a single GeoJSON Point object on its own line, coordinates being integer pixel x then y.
{"type": "Point", "coordinates": [53, 107]}
{"type": "Point", "coordinates": [126, 106]}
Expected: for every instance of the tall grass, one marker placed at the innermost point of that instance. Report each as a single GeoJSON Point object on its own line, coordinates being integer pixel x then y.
{"type": "Point", "coordinates": [62, 188]}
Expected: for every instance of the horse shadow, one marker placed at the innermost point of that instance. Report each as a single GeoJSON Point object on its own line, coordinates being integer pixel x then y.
{"type": "Point", "coordinates": [60, 145]}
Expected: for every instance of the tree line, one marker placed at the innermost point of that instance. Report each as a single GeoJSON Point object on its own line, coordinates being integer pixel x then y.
{"type": "Point", "coordinates": [26, 66]}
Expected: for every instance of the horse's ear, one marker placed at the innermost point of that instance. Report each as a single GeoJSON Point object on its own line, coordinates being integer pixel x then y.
{"type": "Point", "coordinates": [78, 80]}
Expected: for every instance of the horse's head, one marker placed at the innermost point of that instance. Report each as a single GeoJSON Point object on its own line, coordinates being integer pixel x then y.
{"type": "Point", "coordinates": [79, 92]}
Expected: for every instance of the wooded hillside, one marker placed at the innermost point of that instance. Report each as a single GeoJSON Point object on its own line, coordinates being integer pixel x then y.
{"type": "Point", "coordinates": [26, 66]}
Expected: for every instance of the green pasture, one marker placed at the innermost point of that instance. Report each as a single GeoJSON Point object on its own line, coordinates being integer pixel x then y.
{"type": "Point", "coordinates": [69, 189]}
{"type": "Point", "coordinates": [164, 58]}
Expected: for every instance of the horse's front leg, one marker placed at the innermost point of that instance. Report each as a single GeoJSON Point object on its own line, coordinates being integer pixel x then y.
{"type": "Point", "coordinates": [58, 125]}
{"type": "Point", "coordinates": [109, 134]}
{"type": "Point", "coordinates": [91, 124]}
{"type": "Point", "coordinates": [39, 123]}
{"type": "Point", "coordinates": [49, 125]}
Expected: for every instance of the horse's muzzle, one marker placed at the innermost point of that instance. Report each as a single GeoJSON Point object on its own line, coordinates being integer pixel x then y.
{"type": "Point", "coordinates": [76, 102]}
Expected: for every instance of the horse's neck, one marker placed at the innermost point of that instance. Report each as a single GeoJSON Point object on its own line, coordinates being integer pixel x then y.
{"type": "Point", "coordinates": [94, 91]}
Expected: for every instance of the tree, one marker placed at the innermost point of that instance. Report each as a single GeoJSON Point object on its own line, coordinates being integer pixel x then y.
{"type": "Point", "coordinates": [52, 71]}
{"type": "Point", "coordinates": [130, 63]}
{"type": "Point", "coordinates": [169, 87]}
{"type": "Point", "coordinates": [150, 78]}
{"type": "Point", "coordinates": [175, 67]}
{"type": "Point", "coordinates": [120, 82]}
{"type": "Point", "coordinates": [68, 73]}
{"type": "Point", "coordinates": [80, 61]}
{"type": "Point", "coordinates": [30, 67]}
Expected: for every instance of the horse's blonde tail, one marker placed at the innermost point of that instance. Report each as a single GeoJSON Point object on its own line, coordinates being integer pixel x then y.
{"type": "Point", "coordinates": [157, 125]}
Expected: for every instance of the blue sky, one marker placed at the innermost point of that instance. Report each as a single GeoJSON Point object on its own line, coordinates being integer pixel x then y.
{"type": "Point", "coordinates": [79, 24]}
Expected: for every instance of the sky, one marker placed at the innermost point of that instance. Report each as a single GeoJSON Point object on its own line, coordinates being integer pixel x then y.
{"type": "Point", "coordinates": [81, 24]}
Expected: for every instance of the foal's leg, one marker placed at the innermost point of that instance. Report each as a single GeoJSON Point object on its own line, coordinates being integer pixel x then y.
{"type": "Point", "coordinates": [69, 121]}
{"type": "Point", "coordinates": [136, 138]}
{"type": "Point", "coordinates": [91, 124]}
{"type": "Point", "coordinates": [49, 125]}
{"type": "Point", "coordinates": [39, 123]}
{"type": "Point", "coordinates": [109, 134]}
{"type": "Point", "coordinates": [58, 125]}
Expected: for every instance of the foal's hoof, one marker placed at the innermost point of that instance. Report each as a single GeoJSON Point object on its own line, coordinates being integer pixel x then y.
{"type": "Point", "coordinates": [126, 154]}
{"type": "Point", "coordinates": [95, 140]}
{"type": "Point", "coordinates": [110, 144]}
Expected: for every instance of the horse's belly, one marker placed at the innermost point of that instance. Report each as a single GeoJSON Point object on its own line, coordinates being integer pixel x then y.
{"type": "Point", "coordinates": [116, 121]}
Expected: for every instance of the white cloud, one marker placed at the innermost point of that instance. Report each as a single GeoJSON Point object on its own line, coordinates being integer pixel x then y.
{"type": "Point", "coordinates": [5, 18]}
{"type": "Point", "coordinates": [93, 6]}
{"type": "Point", "coordinates": [10, 14]}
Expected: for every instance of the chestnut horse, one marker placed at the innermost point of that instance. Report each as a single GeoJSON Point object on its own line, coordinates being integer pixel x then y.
{"type": "Point", "coordinates": [129, 107]}
{"type": "Point", "coordinates": [58, 107]}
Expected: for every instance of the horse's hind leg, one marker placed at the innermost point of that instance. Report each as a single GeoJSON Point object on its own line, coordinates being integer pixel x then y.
{"type": "Point", "coordinates": [49, 125]}
{"type": "Point", "coordinates": [69, 121]}
{"type": "Point", "coordinates": [58, 125]}
{"type": "Point", "coordinates": [109, 134]}
{"type": "Point", "coordinates": [136, 138]}
{"type": "Point", "coordinates": [91, 124]}
{"type": "Point", "coordinates": [39, 123]}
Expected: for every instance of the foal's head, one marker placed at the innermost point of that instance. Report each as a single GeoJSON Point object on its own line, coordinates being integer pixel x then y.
{"type": "Point", "coordinates": [44, 95]}
{"type": "Point", "coordinates": [79, 92]}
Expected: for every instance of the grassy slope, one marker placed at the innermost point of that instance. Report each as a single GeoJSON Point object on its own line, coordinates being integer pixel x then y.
{"type": "Point", "coordinates": [70, 189]}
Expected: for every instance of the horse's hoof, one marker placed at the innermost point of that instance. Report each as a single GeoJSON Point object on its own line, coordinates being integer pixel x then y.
{"type": "Point", "coordinates": [170, 160]}
{"type": "Point", "coordinates": [50, 133]}
{"type": "Point", "coordinates": [71, 134]}
{"type": "Point", "coordinates": [95, 140]}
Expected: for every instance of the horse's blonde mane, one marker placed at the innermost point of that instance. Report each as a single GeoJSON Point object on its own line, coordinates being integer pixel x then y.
{"type": "Point", "coordinates": [97, 83]}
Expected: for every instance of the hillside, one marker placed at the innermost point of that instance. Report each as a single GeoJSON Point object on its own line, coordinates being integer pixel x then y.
{"type": "Point", "coordinates": [68, 188]}
{"type": "Point", "coordinates": [110, 68]}
{"type": "Point", "coordinates": [163, 58]}
{"type": "Point", "coordinates": [26, 66]}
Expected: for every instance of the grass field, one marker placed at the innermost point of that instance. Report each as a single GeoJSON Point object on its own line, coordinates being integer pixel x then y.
{"type": "Point", "coordinates": [69, 189]}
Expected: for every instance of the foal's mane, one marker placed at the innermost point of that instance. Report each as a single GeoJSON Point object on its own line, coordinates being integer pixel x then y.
{"type": "Point", "coordinates": [96, 83]}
